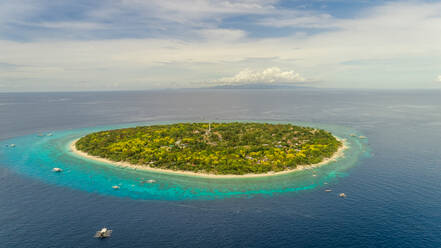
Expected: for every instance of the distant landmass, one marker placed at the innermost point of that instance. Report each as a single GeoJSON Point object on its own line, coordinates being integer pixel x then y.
{"type": "Point", "coordinates": [259, 86]}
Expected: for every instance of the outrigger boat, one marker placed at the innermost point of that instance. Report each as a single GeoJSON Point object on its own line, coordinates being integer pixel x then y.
{"type": "Point", "coordinates": [103, 233]}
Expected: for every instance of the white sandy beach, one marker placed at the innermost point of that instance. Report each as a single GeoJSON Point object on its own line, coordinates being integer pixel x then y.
{"type": "Point", "coordinates": [338, 154]}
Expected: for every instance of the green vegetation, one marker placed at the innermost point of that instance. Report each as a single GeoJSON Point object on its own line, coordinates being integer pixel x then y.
{"type": "Point", "coordinates": [225, 148]}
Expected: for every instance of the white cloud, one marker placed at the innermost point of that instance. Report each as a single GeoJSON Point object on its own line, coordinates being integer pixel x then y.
{"type": "Point", "coordinates": [439, 78]}
{"type": "Point", "coordinates": [71, 25]}
{"type": "Point", "coordinates": [269, 75]}
{"type": "Point", "coordinates": [207, 8]}
{"type": "Point", "coordinates": [299, 19]}
{"type": "Point", "coordinates": [191, 12]}
{"type": "Point", "coordinates": [222, 34]}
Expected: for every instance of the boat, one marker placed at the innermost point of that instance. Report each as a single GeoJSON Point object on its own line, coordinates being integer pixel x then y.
{"type": "Point", "coordinates": [353, 135]}
{"type": "Point", "coordinates": [342, 195]}
{"type": "Point", "coordinates": [328, 190]}
{"type": "Point", "coordinates": [103, 233]}
{"type": "Point", "coordinates": [362, 137]}
{"type": "Point", "coordinates": [115, 187]}
{"type": "Point", "coordinates": [57, 169]}
{"type": "Point", "coordinates": [49, 134]}
{"type": "Point", "coordinates": [12, 145]}
{"type": "Point", "coordinates": [149, 181]}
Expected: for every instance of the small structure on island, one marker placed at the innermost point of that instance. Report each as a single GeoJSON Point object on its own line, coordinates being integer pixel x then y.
{"type": "Point", "coordinates": [103, 233]}
{"type": "Point", "coordinates": [57, 169]}
{"type": "Point", "coordinates": [115, 187]}
{"type": "Point", "coordinates": [353, 135]}
{"type": "Point", "coordinates": [342, 195]}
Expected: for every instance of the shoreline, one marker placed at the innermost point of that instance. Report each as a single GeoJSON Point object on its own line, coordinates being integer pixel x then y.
{"type": "Point", "coordinates": [338, 154]}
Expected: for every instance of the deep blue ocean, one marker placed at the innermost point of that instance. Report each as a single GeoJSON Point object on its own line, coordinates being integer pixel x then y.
{"type": "Point", "coordinates": [392, 179]}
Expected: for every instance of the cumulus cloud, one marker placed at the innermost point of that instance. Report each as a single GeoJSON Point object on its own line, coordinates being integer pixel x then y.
{"type": "Point", "coordinates": [269, 75]}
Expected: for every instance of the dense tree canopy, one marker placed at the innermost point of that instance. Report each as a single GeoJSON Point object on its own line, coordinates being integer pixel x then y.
{"type": "Point", "coordinates": [216, 148]}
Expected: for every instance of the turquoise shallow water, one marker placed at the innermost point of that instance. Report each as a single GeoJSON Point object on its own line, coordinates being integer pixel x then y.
{"type": "Point", "coordinates": [36, 155]}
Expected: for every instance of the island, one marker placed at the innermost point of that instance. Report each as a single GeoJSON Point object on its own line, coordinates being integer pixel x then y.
{"type": "Point", "coordinates": [213, 149]}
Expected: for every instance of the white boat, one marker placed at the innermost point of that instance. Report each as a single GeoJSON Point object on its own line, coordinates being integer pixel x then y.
{"type": "Point", "coordinates": [343, 195]}
{"type": "Point", "coordinates": [362, 137]}
{"type": "Point", "coordinates": [103, 233]}
{"type": "Point", "coordinates": [12, 145]}
{"type": "Point", "coordinates": [149, 181]}
{"type": "Point", "coordinates": [57, 170]}
{"type": "Point", "coordinates": [115, 187]}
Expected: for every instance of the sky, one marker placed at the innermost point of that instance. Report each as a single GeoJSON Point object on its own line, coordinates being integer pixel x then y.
{"type": "Point", "coordinates": [81, 45]}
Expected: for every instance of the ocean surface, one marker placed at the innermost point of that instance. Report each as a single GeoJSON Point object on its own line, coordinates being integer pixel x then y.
{"type": "Point", "coordinates": [392, 179]}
